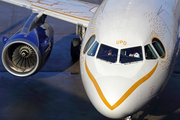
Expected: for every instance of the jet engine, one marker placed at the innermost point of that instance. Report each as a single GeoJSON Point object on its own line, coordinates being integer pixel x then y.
{"type": "Point", "coordinates": [26, 52]}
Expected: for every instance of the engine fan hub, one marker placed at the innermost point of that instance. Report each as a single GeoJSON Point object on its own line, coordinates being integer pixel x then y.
{"type": "Point", "coordinates": [24, 57]}
{"type": "Point", "coordinates": [25, 51]}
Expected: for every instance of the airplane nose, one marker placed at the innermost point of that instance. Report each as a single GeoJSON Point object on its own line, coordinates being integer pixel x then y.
{"type": "Point", "coordinates": [114, 88]}
{"type": "Point", "coordinates": [120, 96]}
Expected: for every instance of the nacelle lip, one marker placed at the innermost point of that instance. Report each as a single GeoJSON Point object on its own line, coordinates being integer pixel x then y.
{"type": "Point", "coordinates": [8, 63]}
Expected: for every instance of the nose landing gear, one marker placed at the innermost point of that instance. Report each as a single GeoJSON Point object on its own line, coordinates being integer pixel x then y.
{"type": "Point", "coordinates": [127, 118]}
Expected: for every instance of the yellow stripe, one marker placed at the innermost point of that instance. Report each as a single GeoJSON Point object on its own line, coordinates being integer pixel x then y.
{"type": "Point", "coordinates": [97, 87]}
{"type": "Point", "coordinates": [126, 95]}
{"type": "Point", "coordinates": [60, 13]}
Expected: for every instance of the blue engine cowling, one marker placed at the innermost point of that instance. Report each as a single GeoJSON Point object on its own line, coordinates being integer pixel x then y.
{"type": "Point", "coordinates": [25, 53]}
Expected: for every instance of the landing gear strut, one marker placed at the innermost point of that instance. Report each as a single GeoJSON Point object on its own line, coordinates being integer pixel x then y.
{"type": "Point", "coordinates": [75, 48]}
{"type": "Point", "coordinates": [127, 118]}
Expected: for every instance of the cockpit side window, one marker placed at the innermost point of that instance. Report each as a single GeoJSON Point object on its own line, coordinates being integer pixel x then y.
{"type": "Point", "coordinates": [159, 47]}
{"type": "Point", "coordinates": [107, 53]}
{"type": "Point", "coordinates": [149, 53]}
{"type": "Point", "coordinates": [131, 55]}
{"type": "Point", "coordinates": [93, 49]}
{"type": "Point", "coordinates": [89, 43]}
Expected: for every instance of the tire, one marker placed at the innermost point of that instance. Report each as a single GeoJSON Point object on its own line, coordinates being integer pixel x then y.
{"type": "Point", "coordinates": [75, 48]}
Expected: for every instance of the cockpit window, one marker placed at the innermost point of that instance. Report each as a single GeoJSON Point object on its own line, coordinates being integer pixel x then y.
{"type": "Point", "coordinates": [107, 53]}
{"type": "Point", "coordinates": [159, 47]}
{"type": "Point", "coordinates": [93, 49]}
{"type": "Point", "coordinates": [89, 43]}
{"type": "Point", "coordinates": [131, 55]}
{"type": "Point", "coordinates": [150, 54]}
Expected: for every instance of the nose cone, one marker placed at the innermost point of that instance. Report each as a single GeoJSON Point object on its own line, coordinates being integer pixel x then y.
{"type": "Point", "coordinates": [119, 97]}
{"type": "Point", "coordinates": [114, 87]}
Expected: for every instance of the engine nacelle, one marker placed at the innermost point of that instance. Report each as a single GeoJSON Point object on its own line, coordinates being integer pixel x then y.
{"type": "Point", "coordinates": [26, 52]}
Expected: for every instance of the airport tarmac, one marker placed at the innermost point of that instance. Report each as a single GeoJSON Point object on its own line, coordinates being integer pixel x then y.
{"type": "Point", "coordinates": [56, 92]}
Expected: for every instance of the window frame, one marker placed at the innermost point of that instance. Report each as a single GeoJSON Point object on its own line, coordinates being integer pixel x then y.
{"type": "Point", "coordinates": [141, 58]}
{"type": "Point", "coordinates": [114, 50]}
{"type": "Point", "coordinates": [159, 43]}
{"type": "Point", "coordinates": [153, 52]}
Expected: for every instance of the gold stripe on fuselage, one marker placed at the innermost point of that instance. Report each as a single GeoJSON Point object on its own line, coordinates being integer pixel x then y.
{"type": "Point", "coordinates": [128, 92]}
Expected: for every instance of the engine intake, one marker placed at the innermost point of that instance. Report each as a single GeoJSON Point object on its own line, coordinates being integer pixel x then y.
{"type": "Point", "coordinates": [20, 59]}
{"type": "Point", "coordinates": [25, 53]}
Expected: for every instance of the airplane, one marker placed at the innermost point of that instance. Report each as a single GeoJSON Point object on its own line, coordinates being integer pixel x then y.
{"type": "Point", "coordinates": [127, 49]}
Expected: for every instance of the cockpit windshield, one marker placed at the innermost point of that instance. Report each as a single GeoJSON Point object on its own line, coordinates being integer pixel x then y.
{"type": "Point", "coordinates": [149, 52]}
{"type": "Point", "coordinates": [131, 55]}
{"type": "Point", "coordinates": [107, 53]}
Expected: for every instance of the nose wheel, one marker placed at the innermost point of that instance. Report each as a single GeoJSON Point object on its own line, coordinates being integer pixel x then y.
{"type": "Point", "coordinates": [75, 48]}
{"type": "Point", "coordinates": [127, 118]}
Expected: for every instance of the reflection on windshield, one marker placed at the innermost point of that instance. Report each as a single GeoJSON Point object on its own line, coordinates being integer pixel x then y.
{"type": "Point", "coordinates": [89, 43]}
{"type": "Point", "coordinates": [93, 49]}
{"type": "Point", "coordinates": [131, 55]}
{"type": "Point", "coordinates": [159, 48]}
{"type": "Point", "coordinates": [150, 54]}
{"type": "Point", "coordinates": [107, 53]}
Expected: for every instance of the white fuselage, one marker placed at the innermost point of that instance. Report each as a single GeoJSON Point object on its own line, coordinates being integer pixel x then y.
{"type": "Point", "coordinates": [121, 85]}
